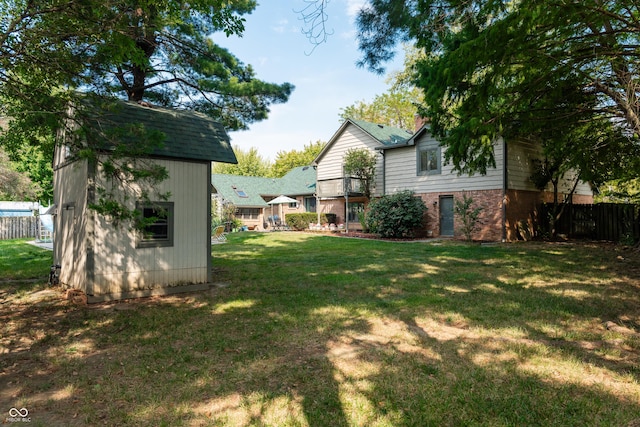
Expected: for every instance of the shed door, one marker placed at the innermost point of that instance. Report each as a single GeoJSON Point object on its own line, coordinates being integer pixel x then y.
{"type": "Point", "coordinates": [446, 215]}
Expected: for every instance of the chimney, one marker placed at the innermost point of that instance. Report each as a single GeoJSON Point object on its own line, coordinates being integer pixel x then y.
{"type": "Point", "coordinates": [419, 121]}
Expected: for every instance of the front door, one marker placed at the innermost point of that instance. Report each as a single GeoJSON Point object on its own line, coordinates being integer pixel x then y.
{"type": "Point", "coordinates": [446, 215]}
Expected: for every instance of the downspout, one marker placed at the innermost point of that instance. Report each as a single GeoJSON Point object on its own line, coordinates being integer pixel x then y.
{"type": "Point", "coordinates": [90, 231]}
{"type": "Point", "coordinates": [209, 212]}
{"type": "Point", "coordinates": [505, 185]}
{"type": "Point", "coordinates": [346, 184]}
{"type": "Point", "coordinates": [384, 173]}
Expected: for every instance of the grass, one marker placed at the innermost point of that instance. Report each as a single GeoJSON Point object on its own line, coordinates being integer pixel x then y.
{"type": "Point", "coordinates": [307, 330]}
{"type": "Point", "coordinates": [21, 262]}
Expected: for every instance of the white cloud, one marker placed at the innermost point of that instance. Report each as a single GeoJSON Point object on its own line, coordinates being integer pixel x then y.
{"type": "Point", "coordinates": [281, 26]}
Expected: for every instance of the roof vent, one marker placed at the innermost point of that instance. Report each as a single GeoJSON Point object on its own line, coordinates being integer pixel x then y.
{"type": "Point", "coordinates": [380, 126]}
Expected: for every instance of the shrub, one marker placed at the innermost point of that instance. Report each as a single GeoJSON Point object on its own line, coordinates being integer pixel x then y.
{"type": "Point", "coordinates": [360, 163]}
{"type": "Point", "coordinates": [469, 215]}
{"type": "Point", "coordinates": [301, 221]}
{"type": "Point", "coordinates": [396, 215]}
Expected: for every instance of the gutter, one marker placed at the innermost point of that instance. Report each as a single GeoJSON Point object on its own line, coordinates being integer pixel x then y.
{"type": "Point", "coordinates": [505, 184]}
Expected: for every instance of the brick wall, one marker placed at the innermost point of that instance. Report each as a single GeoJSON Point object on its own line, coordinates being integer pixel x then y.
{"type": "Point", "coordinates": [523, 209]}
{"type": "Point", "coordinates": [490, 220]}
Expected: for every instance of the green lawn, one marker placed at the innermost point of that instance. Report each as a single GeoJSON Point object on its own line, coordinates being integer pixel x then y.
{"type": "Point", "coordinates": [22, 262]}
{"type": "Point", "coordinates": [309, 330]}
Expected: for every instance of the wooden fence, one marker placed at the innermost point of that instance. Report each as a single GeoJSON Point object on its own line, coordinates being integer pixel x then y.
{"type": "Point", "coordinates": [18, 227]}
{"type": "Point", "coordinates": [602, 221]}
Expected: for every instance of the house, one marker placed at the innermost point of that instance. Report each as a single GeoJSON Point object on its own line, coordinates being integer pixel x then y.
{"type": "Point", "coordinates": [415, 162]}
{"type": "Point", "coordinates": [174, 253]}
{"type": "Point", "coordinates": [344, 197]}
{"type": "Point", "coordinates": [250, 195]}
{"type": "Point", "coordinates": [18, 208]}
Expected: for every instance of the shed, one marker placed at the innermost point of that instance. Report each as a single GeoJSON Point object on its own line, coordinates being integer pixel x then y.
{"type": "Point", "coordinates": [109, 262]}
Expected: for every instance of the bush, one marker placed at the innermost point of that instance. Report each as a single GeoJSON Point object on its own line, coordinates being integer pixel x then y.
{"type": "Point", "coordinates": [396, 215]}
{"type": "Point", "coordinates": [469, 215]}
{"type": "Point", "coordinates": [301, 221]}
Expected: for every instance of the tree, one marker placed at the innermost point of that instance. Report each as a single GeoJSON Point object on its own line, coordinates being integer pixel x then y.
{"type": "Point", "coordinates": [15, 185]}
{"type": "Point", "coordinates": [399, 106]}
{"type": "Point", "coordinates": [158, 51]}
{"type": "Point", "coordinates": [250, 163]}
{"type": "Point", "coordinates": [287, 160]}
{"type": "Point", "coordinates": [58, 54]}
{"type": "Point", "coordinates": [620, 191]}
{"type": "Point", "coordinates": [360, 163]}
{"type": "Point", "coordinates": [496, 68]}
{"type": "Point", "coordinates": [395, 108]}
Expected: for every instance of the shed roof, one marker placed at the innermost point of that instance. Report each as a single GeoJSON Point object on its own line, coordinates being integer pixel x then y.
{"type": "Point", "coordinates": [187, 134]}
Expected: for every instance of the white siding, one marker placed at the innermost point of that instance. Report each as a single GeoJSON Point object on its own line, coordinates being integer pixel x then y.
{"type": "Point", "coordinates": [70, 198]}
{"type": "Point", "coordinates": [330, 165]}
{"type": "Point", "coordinates": [521, 167]}
{"type": "Point", "coordinates": [121, 267]}
{"type": "Point", "coordinates": [402, 174]}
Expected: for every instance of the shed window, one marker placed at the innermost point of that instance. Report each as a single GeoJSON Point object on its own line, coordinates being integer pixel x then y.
{"type": "Point", "coordinates": [157, 224]}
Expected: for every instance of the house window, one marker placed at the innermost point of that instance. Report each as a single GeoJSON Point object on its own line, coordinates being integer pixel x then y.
{"type": "Point", "coordinates": [248, 213]}
{"type": "Point", "coordinates": [293, 205]}
{"type": "Point", "coordinates": [157, 224]}
{"type": "Point", "coordinates": [310, 204]}
{"type": "Point", "coordinates": [428, 160]}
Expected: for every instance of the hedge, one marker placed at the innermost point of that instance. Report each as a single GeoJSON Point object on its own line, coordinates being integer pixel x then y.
{"type": "Point", "coordinates": [301, 221]}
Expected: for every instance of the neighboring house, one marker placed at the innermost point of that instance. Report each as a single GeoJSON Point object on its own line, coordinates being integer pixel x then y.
{"type": "Point", "coordinates": [505, 193]}
{"type": "Point", "coordinates": [250, 195]}
{"type": "Point", "coordinates": [25, 219]}
{"type": "Point", "coordinates": [173, 254]}
{"type": "Point", "coordinates": [19, 208]}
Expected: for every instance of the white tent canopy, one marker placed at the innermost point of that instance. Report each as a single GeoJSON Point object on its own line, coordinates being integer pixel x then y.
{"type": "Point", "coordinates": [281, 199]}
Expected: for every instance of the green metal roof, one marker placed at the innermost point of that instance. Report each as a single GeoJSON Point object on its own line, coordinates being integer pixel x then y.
{"type": "Point", "coordinates": [300, 181]}
{"type": "Point", "coordinates": [188, 134]}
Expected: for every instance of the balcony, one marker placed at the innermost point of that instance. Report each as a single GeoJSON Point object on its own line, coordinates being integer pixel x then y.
{"type": "Point", "coordinates": [339, 187]}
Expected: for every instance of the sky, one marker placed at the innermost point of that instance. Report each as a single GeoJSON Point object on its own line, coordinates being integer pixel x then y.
{"type": "Point", "coordinates": [326, 78]}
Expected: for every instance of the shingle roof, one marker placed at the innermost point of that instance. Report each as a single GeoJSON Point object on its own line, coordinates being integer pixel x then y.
{"type": "Point", "coordinates": [386, 135]}
{"type": "Point", "coordinates": [300, 181]}
{"type": "Point", "coordinates": [188, 134]}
